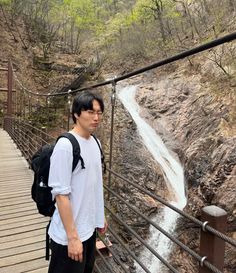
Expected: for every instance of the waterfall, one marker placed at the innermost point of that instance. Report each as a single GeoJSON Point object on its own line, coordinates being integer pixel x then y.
{"type": "Point", "coordinates": [174, 177]}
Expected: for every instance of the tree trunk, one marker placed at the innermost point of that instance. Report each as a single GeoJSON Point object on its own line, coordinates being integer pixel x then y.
{"type": "Point", "coordinates": [72, 35]}
{"type": "Point", "coordinates": [159, 17]}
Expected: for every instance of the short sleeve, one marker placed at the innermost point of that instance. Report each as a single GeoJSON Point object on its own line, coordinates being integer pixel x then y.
{"type": "Point", "coordinates": [60, 171]}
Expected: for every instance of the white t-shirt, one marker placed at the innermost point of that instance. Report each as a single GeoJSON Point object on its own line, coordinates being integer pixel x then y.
{"type": "Point", "coordinates": [83, 186]}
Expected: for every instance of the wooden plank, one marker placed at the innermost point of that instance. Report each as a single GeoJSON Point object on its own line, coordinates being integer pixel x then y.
{"type": "Point", "coordinates": [17, 224]}
{"type": "Point", "coordinates": [15, 194]}
{"type": "Point", "coordinates": [21, 218]}
{"type": "Point", "coordinates": [23, 235]}
{"type": "Point", "coordinates": [17, 208]}
{"type": "Point", "coordinates": [10, 252]}
{"type": "Point", "coordinates": [28, 265]}
{"type": "Point", "coordinates": [22, 228]}
{"type": "Point", "coordinates": [15, 201]}
{"type": "Point", "coordinates": [22, 257]}
{"type": "Point", "coordinates": [24, 241]}
{"type": "Point", "coordinates": [15, 214]}
{"type": "Point", "coordinates": [40, 270]}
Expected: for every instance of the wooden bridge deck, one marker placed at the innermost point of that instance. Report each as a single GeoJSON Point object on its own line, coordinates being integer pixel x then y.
{"type": "Point", "coordinates": [22, 229]}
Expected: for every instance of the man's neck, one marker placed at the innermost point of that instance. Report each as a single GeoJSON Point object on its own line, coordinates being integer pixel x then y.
{"type": "Point", "coordinates": [78, 130]}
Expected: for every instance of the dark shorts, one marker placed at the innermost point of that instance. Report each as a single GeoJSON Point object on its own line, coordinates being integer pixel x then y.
{"type": "Point", "coordinates": [61, 263]}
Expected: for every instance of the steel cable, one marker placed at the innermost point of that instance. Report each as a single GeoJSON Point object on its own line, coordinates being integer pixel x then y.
{"type": "Point", "coordinates": [114, 254]}
{"type": "Point", "coordinates": [142, 241]}
{"type": "Point", "coordinates": [193, 219]}
{"type": "Point", "coordinates": [172, 238]}
{"type": "Point", "coordinates": [187, 53]}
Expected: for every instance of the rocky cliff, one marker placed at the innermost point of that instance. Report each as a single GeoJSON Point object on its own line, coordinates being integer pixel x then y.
{"type": "Point", "coordinates": [192, 107]}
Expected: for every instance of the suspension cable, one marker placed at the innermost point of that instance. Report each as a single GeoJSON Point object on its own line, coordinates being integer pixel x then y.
{"type": "Point", "coordinates": [182, 55]}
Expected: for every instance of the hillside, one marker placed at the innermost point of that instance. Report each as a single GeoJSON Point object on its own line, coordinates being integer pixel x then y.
{"type": "Point", "coordinates": [191, 105]}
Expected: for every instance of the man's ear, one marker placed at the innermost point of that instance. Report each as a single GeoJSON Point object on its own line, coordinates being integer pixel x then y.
{"type": "Point", "coordinates": [76, 115]}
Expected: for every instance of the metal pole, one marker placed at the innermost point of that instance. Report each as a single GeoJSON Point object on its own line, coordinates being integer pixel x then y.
{"type": "Point", "coordinates": [9, 93]}
{"type": "Point", "coordinates": [24, 105]}
{"type": "Point", "coordinates": [113, 103]}
{"type": "Point", "coordinates": [69, 109]}
{"type": "Point", "coordinates": [29, 114]}
{"type": "Point", "coordinates": [9, 97]}
{"type": "Point", "coordinates": [212, 248]}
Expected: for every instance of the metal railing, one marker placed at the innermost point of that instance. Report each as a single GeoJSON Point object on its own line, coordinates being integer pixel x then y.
{"type": "Point", "coordinates": [29, 139]}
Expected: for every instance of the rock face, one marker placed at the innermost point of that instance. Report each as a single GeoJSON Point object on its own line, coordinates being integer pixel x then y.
{"type": "Point", "coordinates": [197, 124]}
{"type": "Point", "coordinates": [191, 117]}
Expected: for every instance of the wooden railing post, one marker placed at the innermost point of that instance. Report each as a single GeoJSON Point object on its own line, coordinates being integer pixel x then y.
{"type": "Point", "coordinates": [212, 247]}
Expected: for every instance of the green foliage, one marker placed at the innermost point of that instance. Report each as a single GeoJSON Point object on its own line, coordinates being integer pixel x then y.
{"type": "Point", "coordinates": [146, 10]}
{"type": "Point", "coordinates": [156, 25]}
{"type": "Point", "coordinates": [83, 12]}
{"type": "Point", "coordinates": [141, 11]}
{"type": "Point", "coordinates": [5, 2]}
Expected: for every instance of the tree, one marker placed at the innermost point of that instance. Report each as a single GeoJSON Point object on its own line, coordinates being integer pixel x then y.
{"type": "Point", "coordinates": [5, 2]}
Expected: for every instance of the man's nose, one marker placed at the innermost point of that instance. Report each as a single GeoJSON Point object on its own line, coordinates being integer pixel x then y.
{"type": "Point", "coordinates": [96, 116]}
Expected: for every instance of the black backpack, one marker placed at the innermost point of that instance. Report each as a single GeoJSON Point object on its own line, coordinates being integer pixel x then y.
{"type": "Point", "coordinates": [40, 164]}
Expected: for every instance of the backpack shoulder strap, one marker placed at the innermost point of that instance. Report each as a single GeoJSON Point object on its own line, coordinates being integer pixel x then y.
{"type": "Point", "coordinates": [102, 154]}
{"type": "Point", "coordinates": [76, 150]}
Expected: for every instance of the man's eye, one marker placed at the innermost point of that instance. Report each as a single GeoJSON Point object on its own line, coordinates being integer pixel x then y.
{"type": "Point", "coordinates": [92, 112]}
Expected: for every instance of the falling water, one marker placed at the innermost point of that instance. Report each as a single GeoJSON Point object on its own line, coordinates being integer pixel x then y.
{"type": "Point", "coordinates": [174, 177]}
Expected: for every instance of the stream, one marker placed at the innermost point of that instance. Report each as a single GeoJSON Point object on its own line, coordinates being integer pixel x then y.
{"type": "Point", "coordinates": [174, 177]}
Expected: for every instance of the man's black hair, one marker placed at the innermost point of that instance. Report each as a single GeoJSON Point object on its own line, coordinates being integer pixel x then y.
{"type": "Point", "coordinates": [84, 101]}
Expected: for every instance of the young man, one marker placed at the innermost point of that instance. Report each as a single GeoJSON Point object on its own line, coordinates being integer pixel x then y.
{"type": "Point", "coordinates": [79, 195]}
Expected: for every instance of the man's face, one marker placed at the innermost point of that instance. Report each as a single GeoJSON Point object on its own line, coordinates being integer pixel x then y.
{"type": "Point", "coordinates": [90, 119]}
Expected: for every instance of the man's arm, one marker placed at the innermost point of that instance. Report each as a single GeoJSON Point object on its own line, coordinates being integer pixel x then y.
{"type": "Point", "coordinates": [75, 246]}
{"type": "Point", "coordinates": [103, 230]}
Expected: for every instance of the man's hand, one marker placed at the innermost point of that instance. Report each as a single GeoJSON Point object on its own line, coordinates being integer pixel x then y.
{"type": "Point", "coordinates": [75, 249]}
{"type": "Point", "coordinates": [103, 230]}
{"type": "Point", "coordinates": [75, 246]}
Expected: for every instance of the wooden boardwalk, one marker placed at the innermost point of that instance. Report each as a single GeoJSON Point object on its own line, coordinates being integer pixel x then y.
{"type": "Point", "coordinates": [22, 229]}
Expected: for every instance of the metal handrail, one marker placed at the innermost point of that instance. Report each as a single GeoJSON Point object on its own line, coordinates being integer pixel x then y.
{"type": "Point", "coordinates": [114, 254]}
{"type": "Point", "coordinates": [184, 214]}
{"type": "Point", "coordinates": [34, 141]}
{"type": "Point", "coordinates": [21, 126]}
